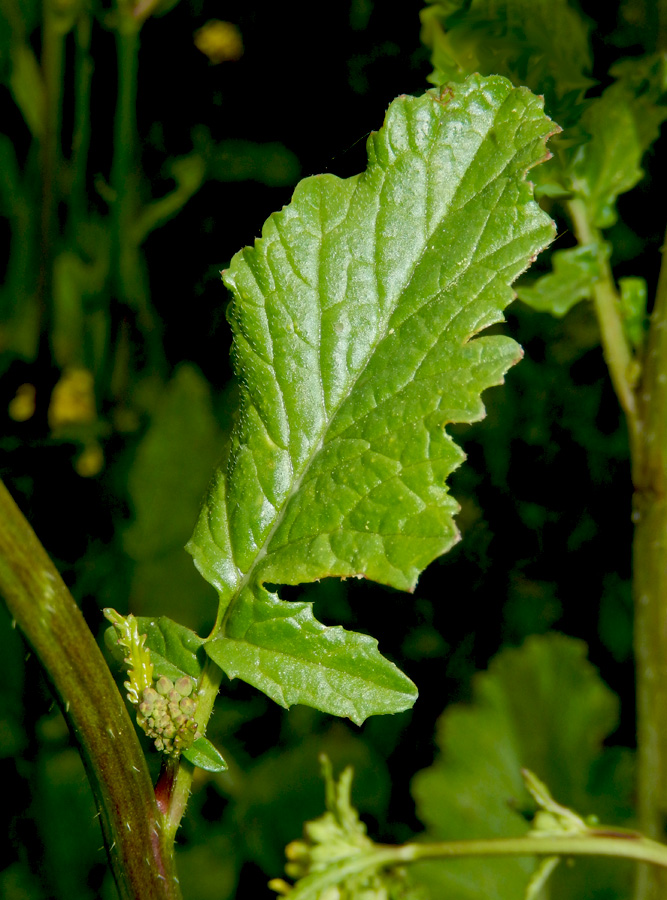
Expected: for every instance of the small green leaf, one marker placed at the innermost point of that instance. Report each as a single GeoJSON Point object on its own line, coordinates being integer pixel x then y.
{"type": "Point", "coordinates": [354, 317]}
{"type": "Point", "coordinates": [203, 754]}
{"type": "Point", "coordinates": [574, 274]}
{"type": "Point", "coordinates": [175, 650]}
{"type": "Point", "coordinates": [284, 651]}
{"type": "Point", "coordinates": [609, 163]}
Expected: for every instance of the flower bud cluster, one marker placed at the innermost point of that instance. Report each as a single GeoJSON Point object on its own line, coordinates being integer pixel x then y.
{"type": "Point", "coordinates": [166, 713]}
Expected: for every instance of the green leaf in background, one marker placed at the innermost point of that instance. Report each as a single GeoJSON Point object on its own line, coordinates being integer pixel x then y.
{"type": "Point", "coordinates": [353, 321]}
{"type": "Point", "coordinates": [267, 163]}
{"type": "Point", "coordinates": [19, 67]}
{"type": "Point", "coordinates": [622, 124]}
{"type": "Point", "coordinates": [608, 164]}
{"type": "Point", "coordinates": [283, 789]}
{"type": "Point", "coordinates": [540, 43]}
{"type": "Point", "coordinates": [643, 82]}
{"type": "Point", "coordinates": [543, 707]}
{"type": "Point", "coordinates": [166, 494]}
{"type": "Point", "coordinates": [574, 274]}
{"type": "Point", "coordinates": [545, 46]}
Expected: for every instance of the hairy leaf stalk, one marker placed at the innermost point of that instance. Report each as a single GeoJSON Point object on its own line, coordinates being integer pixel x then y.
{"type": "Point", "coordinates": [139, 847]}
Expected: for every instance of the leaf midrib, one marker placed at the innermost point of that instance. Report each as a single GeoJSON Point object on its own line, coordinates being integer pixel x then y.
{"type": "Point", "coordinates": [248, 577]}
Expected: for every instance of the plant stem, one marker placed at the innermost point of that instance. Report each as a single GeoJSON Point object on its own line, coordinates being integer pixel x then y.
{"type": "Point", "coordinates": [83, 73]}
{"type": "Point", "coordinates": [615, 347]}
{"type": "Point", "coordinates": [595, 842]}
{"type": "Point", "coordinates": [53, 39]}
{"type": "Point", "coordinates": [650, 587]}
{"type": "Point", "coordinates": [126, 264]}
{"type": "Point", "coordinates": [141, 855]}
{"type": "Point", "coordinates": [182, 782]}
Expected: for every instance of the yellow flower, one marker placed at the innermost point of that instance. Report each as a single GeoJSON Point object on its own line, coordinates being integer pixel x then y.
{"type": "Point", "coordinates": [220, 41]}
{"type": "Point", "coordinates": [22, 406]}
{"type": "Point", "coordinates": [73, 399]}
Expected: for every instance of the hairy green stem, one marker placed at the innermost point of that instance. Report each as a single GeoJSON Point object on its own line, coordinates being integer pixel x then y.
{"type": "Point", "coordinates": [617, 843]}
{"type": "Point", "coordinates": [209, 685]}
{"type": "Point", "coordinates": [140, 853]}
{"type": "Point", "coordinates": [650, 587]}
{"type": "Point", "coordinates": [615, 346]}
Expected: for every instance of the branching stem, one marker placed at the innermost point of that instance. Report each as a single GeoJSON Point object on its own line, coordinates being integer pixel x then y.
{"type": "Point", "coordinates": [617, 843]}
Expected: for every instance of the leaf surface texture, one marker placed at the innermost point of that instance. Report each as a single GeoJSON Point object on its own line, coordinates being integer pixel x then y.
{"type": "Point", "coordinates": [353, 318]}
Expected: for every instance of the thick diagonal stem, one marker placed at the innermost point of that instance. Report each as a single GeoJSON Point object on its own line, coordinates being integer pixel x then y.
{"type": "Point", "coordinates": [140, 851]}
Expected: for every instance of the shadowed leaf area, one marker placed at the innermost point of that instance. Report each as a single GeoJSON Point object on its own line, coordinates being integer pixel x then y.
{"type": "Point", "coordinates": [542, 707]}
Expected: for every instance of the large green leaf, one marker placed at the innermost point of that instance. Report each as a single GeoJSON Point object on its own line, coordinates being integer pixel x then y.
{"type": "Point", "coordinates": [543, 707]}
{"type": "Point", "coordinates": [353, 321]}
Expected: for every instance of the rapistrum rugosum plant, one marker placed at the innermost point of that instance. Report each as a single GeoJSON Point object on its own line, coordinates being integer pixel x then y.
{"type": "Point", "coordinates": [310, 484]}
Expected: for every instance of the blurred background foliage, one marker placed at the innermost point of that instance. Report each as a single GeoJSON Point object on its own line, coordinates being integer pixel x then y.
{"type": "Point", "coordinates": [136, 156]}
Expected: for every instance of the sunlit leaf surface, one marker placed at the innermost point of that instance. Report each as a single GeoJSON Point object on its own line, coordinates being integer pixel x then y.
{"type": "Point", "coordinates": [354, 317]}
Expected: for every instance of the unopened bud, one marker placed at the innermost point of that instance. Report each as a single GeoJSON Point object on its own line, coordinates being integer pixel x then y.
{"type": "Point", "coordinates": [188, 706]}
{"type": "Point", "coordinates": [164, 685]}
{"type": "Point", "coordinates": [184, 686]}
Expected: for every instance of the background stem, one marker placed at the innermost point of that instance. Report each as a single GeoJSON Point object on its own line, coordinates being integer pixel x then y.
{"type": "Point", "coordinates": [83, 73]}
{"type": "Point", "coordinates": [141, 855]}
{"type": "Point", "coordinates": [53, 38]}
{"type": "Point", "coordinates": [615, 347]}
{"type": "Point", "coordinates": [595, 842]}
{"type": "Point", "coordinates": [130, 281]}
{"type": "Point", "coordinates": [650, 588]}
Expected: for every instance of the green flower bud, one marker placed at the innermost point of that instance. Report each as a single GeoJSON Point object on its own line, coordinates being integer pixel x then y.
{"type": "Point", "coordinates": [185, 686]}
{"type": "Point", "coordinates": [188, 706]}
{"type": "Point", "coordinates": [166, 714]}
{"type": "Point", "coordinates": [164, 685]}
